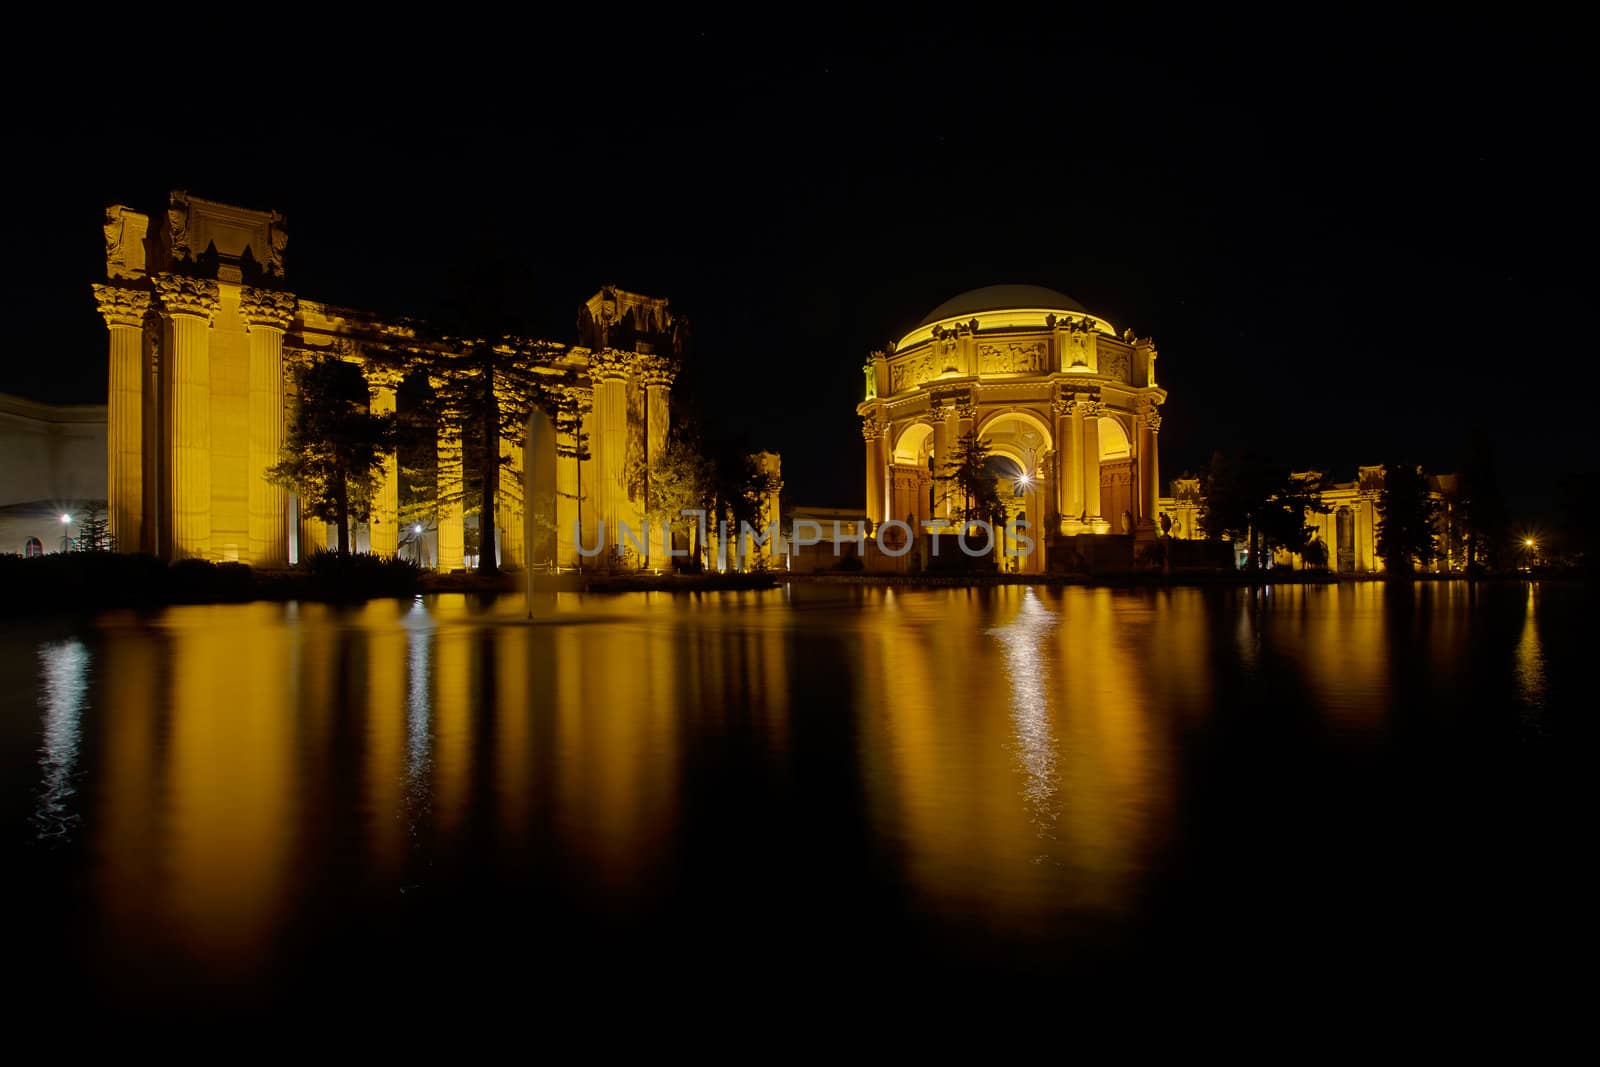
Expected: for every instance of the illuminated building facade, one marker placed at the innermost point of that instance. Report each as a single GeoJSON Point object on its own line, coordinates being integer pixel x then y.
{"type": "Point", "coordinates": [1067, 406]}
{"type": "Point", "coordinates": [1348, 529]}
{"type": "Point", "coordinates": [204, 334]}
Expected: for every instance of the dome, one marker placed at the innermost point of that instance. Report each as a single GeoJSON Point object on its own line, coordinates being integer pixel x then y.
{"type": "Point", "coordinates": [1002, 298]}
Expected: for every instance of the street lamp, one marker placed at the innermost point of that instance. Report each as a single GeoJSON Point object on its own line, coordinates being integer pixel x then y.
{"type": "Point", "coordinates": [66, 529]}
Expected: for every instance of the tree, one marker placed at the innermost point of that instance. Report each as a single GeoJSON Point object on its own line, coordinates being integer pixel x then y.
{"type": "Point", "coordinates": [1408, 518]}
{"type": "Point", "coordinates": [487, 389]}
{"type": "Point", "coordinates": [335, 447]}
{"type": "Point", "coordinates": [1480, 508]}
{"type": "Point", "coordinates": [94, 532]}
{"type": "Point", "coordinates": [970, 483]}
{"type": "Point", "coordinates": [681, 479]}
{"type": "Point", "coordinates": [1246, 498]}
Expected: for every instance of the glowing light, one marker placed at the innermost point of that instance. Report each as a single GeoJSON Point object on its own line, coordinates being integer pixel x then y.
{"type": "Point", "coordinates": [1024, 481]}
{"type": "Point", "coordinates": [66, 520]}
{"type": "Point", "coordinates": [417, 528]}
{"type": "Point", "coordinates": [1528, 541]}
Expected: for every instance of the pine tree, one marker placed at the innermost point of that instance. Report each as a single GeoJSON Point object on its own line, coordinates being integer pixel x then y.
{"type": "Point", "coordinates": [335, 447]}
{"type": "Point", "coordinates": [967, 480]}
{"type": "Point", "coordinates": [94, 532]}
{"type": "Point", "coordinates": [1408, 519]}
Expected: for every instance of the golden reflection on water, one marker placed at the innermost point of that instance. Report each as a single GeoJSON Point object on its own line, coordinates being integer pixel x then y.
{"type": "Point", "coordinates": [1010, 752]}
{"type": "Point", "coordinates": [1530, 670]}
{"type": "Point", "coordinates": [231, 781]}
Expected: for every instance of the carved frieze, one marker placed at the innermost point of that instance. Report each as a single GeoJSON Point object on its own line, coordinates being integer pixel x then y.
{"type": "Point", "coordinates": [1016, 357]}
{"type": "Point", "coordinates": [270, 308]}
{"type": "Point", "coordinates": [1114, 365]}
{"type": "Point", "coordinates": [912, 372]}
{"type": "Point", "coordinates": [182, 295]}
{"type": "Point", "coordinates": [122, 307]}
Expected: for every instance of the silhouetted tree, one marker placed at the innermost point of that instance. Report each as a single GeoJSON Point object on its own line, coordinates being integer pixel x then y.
{"type": "Point", "coordinates": [94, 531]}
{"type": "Point", "coordinates": [1480, 509]}
{"type": "Point", "coordinates": [487, 389]}
{"type": "Point", "coordinates": [1246, 498]}
{"type": "Point", "coordinates": [1407, 519]}
{"type": "Point", "coordinates": [335, 447]}
{"type": "Point", "coordinates": [970, 483]}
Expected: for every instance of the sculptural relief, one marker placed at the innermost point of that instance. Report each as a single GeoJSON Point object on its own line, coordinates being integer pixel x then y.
{"type": "Point", "coordinates": [910, 373]}
{"type": "Point", "coordinates": [1115, 365]}
{"type": "Point", "coordinates": [1012, 358]}
{"type": "Point", "coordinates": [277, 242]}
{"type": "Point", "coordinates": [178, 226]}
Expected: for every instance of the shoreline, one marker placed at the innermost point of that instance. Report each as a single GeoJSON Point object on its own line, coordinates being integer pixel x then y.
{"type": "Point", "coordinates": [94, 583]}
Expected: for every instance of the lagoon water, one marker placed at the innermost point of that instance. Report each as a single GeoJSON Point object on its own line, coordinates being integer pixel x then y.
{"type": "Point", "coordinates": [243, 807]}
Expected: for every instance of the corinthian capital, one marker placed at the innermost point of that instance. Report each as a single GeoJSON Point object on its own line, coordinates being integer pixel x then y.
{"type": "Point", "coordinates": [1062, 406]}
{"type": "Point", "coordinates": [871, 429]}
{"type": "Point", "coordinates": [270, 308]}
{"type": "Point", "coordinates": [1093, 408]}
{"type": "Point", "coordinates": [657, 370]}
{"type": "Point", "coordinates": [182, 295]}
{"type": "Point", "coordinates": [122, 307]}
{"type": "Point", "coordinates": [610, 364]}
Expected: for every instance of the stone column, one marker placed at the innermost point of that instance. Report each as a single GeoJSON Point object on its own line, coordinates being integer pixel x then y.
{"type": "Point", "coordinates": [383, 527]}
{"type": "Point", "coordinates": [658, 376]}
{"type": "Point", "coordinates": [1092, 410]}
{"type": "Point", "coordinates": [190, 305]}
{"type": "Point", "coordinates": [873, 434]}
{"type": "Point", "coordinates": [567, 441]}
{"type": "Point", "coordinates": [510, 502]}
{"type": "Point", "coordinates": [609, 370]}
{"type": "Point", "coordinates": [124, 311]}
{"type": "Point", "coordinates": [941, 456]}
{"type": "Point", "coordinates": [312, 531]}
{"type": "Point", "coordinates": [266, 314]}
{"type": "Point", "coordinates": [452, 533]}
{"type": "Point", "coordinates": [1069, 458]}
{"type": "Point", "coordinates": [1149, 467]}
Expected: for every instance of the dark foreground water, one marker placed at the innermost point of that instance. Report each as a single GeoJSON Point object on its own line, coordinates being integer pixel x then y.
{"type": "Point", "coordinates": [258, 806]}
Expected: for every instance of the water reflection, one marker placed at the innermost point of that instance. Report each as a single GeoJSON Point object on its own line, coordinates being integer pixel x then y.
{"type": "Point", "coordinates": [1028, 677]}
{"type": "Point", "coordinates": [64, 671]}
{"type": "Point", "coordinates": [1530, 668]}
{"type": "Point", "coordinates": [1013, 763]}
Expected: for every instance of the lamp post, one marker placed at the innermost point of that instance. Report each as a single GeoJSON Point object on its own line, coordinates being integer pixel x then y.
{"type": "Point", "coordinates": [1530, 547]}
{"type": "Point", "coordinates": [66, 531]}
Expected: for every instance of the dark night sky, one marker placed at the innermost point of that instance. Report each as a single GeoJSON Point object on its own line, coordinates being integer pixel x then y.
{"type": "Point", "coordinates": [1351, 240]}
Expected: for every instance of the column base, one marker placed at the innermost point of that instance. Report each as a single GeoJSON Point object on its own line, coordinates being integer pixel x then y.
{"type": "Point", "coordinates": [1088, 524]}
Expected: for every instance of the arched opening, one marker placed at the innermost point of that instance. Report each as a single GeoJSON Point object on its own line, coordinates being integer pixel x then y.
{"type": "Point", "coordinates": [1116, 475]}
{"type": "Point", "coordinates": [913, 462]}
{"type": "Point", "coordinates": [1018, 443]}
{"type": "Point", "coordinates": [914, 445]}
{"type": "Point", "coordinates": [1114, 443]}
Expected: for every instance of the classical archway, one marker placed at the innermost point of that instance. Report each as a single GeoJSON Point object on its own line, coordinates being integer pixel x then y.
{"type": "Point", "coordinates": [1019, 444]}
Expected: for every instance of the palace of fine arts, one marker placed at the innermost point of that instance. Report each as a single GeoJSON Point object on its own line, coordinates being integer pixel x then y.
{"type": "Point", "coordinates": [683, 519]}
